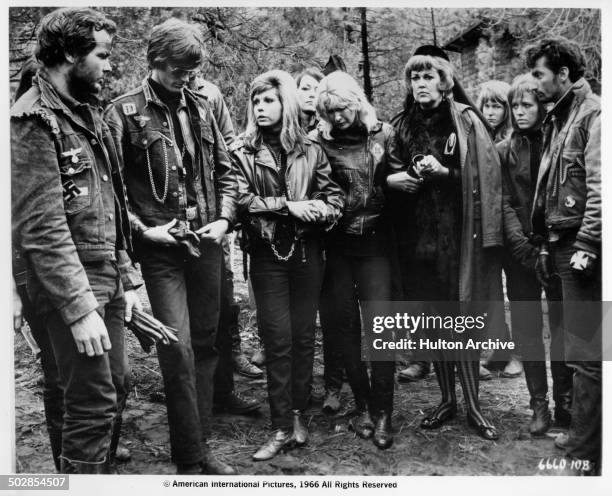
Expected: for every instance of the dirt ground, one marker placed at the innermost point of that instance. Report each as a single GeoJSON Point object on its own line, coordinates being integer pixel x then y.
{"type": "Point", "coordinates": [455, 449]}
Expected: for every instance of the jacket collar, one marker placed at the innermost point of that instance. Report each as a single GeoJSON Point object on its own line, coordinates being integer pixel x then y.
{"type": "Point", "coordinates": [575, 95]}
{"type": "Point", "coordinates": [54, 99]}
{"type": "Point", "coordinates": [151, 96]}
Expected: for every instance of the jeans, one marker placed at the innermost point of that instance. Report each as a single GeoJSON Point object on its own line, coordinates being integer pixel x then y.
{"type": "Point", "coordinates": [286, 295]}
{"type": "Point", "coordinates": [184, 293]}
{"type": "Point", "coordinates": [332, 347]}
{"type": "Point", "coordinates": [525, 295]}
{"type": "Point", "coordinates": [371, 276]}
{"type": "Point", "coordinates": [53, 395]}
{"type": "Point", "coordinates": [581, 329]}
{"type": "Point", "coordinates": [95, 388]}
{"type": "Point", "coordinates": [228, 335]}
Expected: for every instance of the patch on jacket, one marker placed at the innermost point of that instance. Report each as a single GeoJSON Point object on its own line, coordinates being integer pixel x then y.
{"type": "Point", "coordinates": [129, 108]}
{"type": "Point", "coordinates": [74, 154]}
{"type": "Point", "coordinates": [142, 120]}
{"type": "Point", "coordinates": [569, 201]}
{"type": "Point", "coordinates": [71, 190]}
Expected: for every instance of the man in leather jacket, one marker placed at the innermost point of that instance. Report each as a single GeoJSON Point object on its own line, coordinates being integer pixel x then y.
{"type": "Point", "coordinates": [567, 215]}
{"type": "Point", "coordinates": [178, 171]}
{"type": "Point", "coordinates": [70, 225]}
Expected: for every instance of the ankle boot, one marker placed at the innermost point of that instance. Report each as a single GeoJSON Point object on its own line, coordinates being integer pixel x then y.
{"type": "Point", "coordinates": [535, 377]}
{"type": "Point", "coordinates": [213, 466]}
{"type": "Point", "coordinates": [540, 420]}
{"type": "Point", "coordinates": [300, 431]}
{"type": "Point", "coordinates": [383, 434]}
{"type": "Point", "coordinates": [362, 424]}
{"type": "Point", "coordinates": [278, 441]}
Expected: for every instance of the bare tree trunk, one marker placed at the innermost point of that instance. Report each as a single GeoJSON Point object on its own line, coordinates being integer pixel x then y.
{"type": "Point", "coordinates": [367, 81]}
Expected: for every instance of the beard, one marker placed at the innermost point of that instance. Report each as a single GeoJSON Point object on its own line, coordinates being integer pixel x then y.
{"type": "Point", "coordinates": [82, 83]}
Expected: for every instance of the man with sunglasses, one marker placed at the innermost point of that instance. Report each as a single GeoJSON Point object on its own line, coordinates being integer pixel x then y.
{"type": "Point", "coordinates": [182, 191]}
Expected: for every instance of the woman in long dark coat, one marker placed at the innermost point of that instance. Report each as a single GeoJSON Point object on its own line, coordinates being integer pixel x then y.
{"type": "Point", "coordinates": [449, 230]}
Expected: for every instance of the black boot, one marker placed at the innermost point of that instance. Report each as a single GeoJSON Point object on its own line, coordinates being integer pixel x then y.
{"type": "Point", "coordinates": [447, 409]}
{"type": "Point", "coordinates": [535, 376]}
{"type": "Point", "coordinates": [300, 431]}
{"type": "Point", "coordinates": [362, 423]}
{"type": "Point", "coordinates": [468, 375]}
{"type": "Point", "coordinates": [383, 434]}
{"type": "Point", "coordinates": [562, 377]}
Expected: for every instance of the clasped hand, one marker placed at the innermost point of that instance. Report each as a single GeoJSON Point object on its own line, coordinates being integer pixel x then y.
{"type": "Point", "coordinates": [429, 166]}
{"type": "Point", "coordinates": [309, 210]}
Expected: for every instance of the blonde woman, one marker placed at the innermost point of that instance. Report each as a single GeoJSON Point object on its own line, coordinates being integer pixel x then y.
{"type": "Point", "coordinates": [360, 149]}
{"type": "Point", "coordinates": [286, 198]}
{"type": "Point", "coordinates": [449, 240]}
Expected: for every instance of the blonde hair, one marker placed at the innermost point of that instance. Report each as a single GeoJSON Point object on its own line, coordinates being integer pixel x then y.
{"type": "Point", "coordinates": [291, 136]}
{"type": "Point", "coordinates": [338, 89]}
{"type": "Point", "coordinates": [497, 91]}
{"type": "Point", "coordinates": [427, 62]}
{"type": "Point", "coordinates": [526, 83]}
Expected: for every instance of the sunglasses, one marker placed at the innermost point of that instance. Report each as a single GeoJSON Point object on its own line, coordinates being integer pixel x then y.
{"type": "Point", "coordinates": [181, 73]}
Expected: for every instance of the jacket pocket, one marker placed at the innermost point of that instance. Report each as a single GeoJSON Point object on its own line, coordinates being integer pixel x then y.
{"type": "Point", "coordinates": [77, 183]}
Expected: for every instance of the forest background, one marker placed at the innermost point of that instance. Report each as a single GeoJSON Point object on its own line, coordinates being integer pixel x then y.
{"type": "Point", "coordinates": [374, 43]}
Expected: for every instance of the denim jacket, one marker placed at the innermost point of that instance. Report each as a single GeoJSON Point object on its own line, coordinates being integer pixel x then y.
{"type": "Point", "coordinates": [143, 130]}
{"type": "Point", "coordinates": [568, 191]}
{"type": "Point", "coordinates": [65, 174]}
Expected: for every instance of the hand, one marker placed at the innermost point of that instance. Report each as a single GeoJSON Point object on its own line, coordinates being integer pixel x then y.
{"type": "Point", "coordinates": [17, 310]}
{"type": "Point", "coordinates": [583, 263]}
{"type": "Point", "coordinates": [322, 210]}
{"type": "Point", "coordinates": [214, 231]}
{"type": "Point", "coordinates": [402, 181]}
{"type": "Point", "coordinates": [543, 267]}
{"type": "Point", "coordinates": [159, 235]}
{"type": "Point", "coordinates": [131, 301]}
{"type": "Point", "coordinates": [90, 334]}
{"type": "Point", "coordinates": [303, 210]}
{"type": "Point", "coordinates": [429, 166]}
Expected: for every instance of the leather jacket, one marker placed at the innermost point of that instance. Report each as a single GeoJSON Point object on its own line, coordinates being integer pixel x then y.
{"type": "Point", "coordinates": [361, 168]}
{"type": "Point", "coordinates": [68, 199]}
{"type": "Point", "coordinates": [568, 190]}
{"type": "Point", "coordinates": [213, 96]}
{"type": "Point", "coordinates": [261, 202]}
{"type": "Point", "coordinates": [143, 130]}
{"type": "Point", "coordinates": [518, 187]}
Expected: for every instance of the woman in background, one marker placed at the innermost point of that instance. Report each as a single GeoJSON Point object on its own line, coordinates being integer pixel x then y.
{"type": "Point", "coordinates": [493, 103]}
{"type": "Point", "coordinates": [307, 83]}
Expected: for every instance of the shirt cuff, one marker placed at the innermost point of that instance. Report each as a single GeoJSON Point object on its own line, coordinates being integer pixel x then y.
{"type": "Point", "coordinates": [78, 308]}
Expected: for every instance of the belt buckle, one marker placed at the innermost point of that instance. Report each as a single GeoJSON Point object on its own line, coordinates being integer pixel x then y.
{"type": "Point", "coordinates": [191, 213]}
